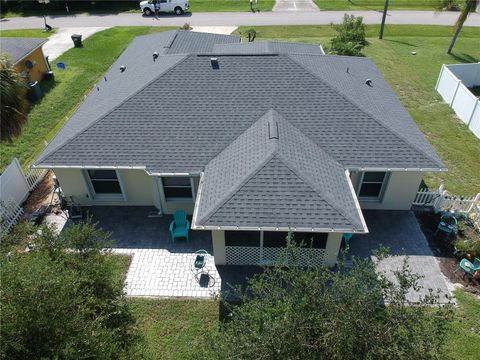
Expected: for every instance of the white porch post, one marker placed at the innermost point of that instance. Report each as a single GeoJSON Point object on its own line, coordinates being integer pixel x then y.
{"type": "Point", "coordinates": [332, 248]}
{"type": "Point", "coordinates": [218, 240]}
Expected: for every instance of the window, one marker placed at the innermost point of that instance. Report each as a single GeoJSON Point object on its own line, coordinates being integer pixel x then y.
{"type": "Point", "coordinates": [372, 185]}
{"type": "Point", "coordinates": [242, 238]}
{"type": "Point", "coordinates": [279, 239]}
{"type": "Point", "coordinates": [177, 188]}
{"type": "Point", "coordinates": [105, 181]}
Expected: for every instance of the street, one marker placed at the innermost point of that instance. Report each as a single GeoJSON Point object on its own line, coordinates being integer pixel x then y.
{"type": "Point", "coordinates": [237, 19]}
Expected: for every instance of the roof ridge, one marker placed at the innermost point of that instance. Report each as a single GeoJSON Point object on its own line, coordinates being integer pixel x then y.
{"type": "Point", "coordinates": [235, 189]}
{"type": "Point", "coordinates": [366, 112]}
{"type": "Point", "coordinates": [73, 137]}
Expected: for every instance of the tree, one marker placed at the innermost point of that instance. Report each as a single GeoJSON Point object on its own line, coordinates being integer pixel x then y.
{"type": "Point", "coordinates": [350, 38]}
{"type": "Point", "coordinates": [470, 6]}
{"type": "Point", "coordinates": [13, 101]}
{"type": "Point", "coordinates": [384, 18]}
{"type": "Point", "coordinates": [63, 299]}
{"type": "Point", "coordinates": [316, 313]}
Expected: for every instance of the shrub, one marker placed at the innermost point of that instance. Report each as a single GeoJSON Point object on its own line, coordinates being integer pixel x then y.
{"type": "Point", "coordinates": [350, 38]}
{"type": "Point", "coordinates": [316, 313]}
{"type": "Point", "coordinates": [63, 298]}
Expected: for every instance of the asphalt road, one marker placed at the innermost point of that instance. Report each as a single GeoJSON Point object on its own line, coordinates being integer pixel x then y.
{"type": "Point", "coordinates": [237, 19]}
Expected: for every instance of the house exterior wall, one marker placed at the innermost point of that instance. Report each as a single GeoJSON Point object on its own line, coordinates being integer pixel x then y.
{"type": "Point", "coordinates": [399, 192]}
{"type": "Point", "coordinates": [139, 189]}
{"type": "Point", "coordinates": [137, 186]}
{"type": "Point", "coordinates": [40, 67]}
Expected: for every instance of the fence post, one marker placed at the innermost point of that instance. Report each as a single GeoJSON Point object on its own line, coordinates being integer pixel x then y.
{"type": "Point", "coordinates": [472, 205]}
{"type": "Point", "coordinates": [455, 92]}
{"type": "Point", "coordinates": [439, 76]}
{"type": "Point", "coordinates": [473, 113]}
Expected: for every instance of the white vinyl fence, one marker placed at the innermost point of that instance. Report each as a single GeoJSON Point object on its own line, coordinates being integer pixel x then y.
{"type": "Point", "coordinates": [14, 190]}
{"type": "Point", "coordinates": [453, 83]}
{"type": "Point", "coordinates": [441, 200]}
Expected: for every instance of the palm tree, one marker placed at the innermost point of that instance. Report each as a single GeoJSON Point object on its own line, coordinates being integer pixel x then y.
{"type": "Point", "coordinates": [13, 101]}
{"type": "Point", "coordinates": [470, 6]}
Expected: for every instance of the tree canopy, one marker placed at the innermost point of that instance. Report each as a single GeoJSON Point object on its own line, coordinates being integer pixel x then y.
{"type": "Point", "coordinates": [316, 313]}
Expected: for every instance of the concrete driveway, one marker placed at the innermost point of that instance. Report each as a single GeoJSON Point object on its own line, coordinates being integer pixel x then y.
{"type": "Point", "coordinates": [295, 5]}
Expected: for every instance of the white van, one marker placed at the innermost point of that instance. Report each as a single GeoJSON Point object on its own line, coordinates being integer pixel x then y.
{"type": "Point", "coordinates": [166, 6]}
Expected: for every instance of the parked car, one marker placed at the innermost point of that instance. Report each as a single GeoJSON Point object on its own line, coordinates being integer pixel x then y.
{"type": "Point", "coordinates": [166, 6]}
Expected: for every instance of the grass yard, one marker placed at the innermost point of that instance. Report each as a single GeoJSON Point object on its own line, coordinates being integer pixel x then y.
{"type": "Point", "coordinates": [34, 33]}
{"type": "Point", "coordinates": [228, 5]}
{"type": "Point", "coordinates": [378, 4]}
{"type": "Point", "coordinates": [413, 78]}
{"type": "Point", "coordinates": [84, 66]}
{"type": "Point", "coordinates": [464, 333]}
{"type": "Point", "coordinates": [177, 329]}
{"type": "Point", "coordinates": [173, 329]}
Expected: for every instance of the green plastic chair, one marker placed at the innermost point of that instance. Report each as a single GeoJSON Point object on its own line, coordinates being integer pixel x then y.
{"type": "Point", "coordinates": [180, 225]}
{"type": "Point", "coordinates": [346, 238]}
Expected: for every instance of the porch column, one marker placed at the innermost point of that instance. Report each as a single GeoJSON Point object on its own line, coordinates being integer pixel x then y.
{"type": "Point", "coordinates": [218, 240]}
{"type": "Point", "coordinates": [332, 248]}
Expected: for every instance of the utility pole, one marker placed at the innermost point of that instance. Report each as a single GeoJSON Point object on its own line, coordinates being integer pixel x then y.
{"type": "Point", "coordinates": [384, 17]}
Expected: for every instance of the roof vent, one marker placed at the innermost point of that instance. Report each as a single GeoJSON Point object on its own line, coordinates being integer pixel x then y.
{"type": "Point", "coordinates": [123, 68]}
{"type": "Point", "coordinates": [272, 130]}
{"type": "Point", "coordinates": [155, 56]}
{"type": "Point", "coordinates": [214, 62]}
{"type": "Point", "coordinates": [369, 82]}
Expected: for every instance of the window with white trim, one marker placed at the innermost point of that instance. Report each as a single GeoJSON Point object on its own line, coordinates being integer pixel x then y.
{"type": "Point", "coordinates": [105, 182]}
{"type": "Point", "coordinates": [372, 185]}
{"type": "Point", "coordinates": [177, 188]}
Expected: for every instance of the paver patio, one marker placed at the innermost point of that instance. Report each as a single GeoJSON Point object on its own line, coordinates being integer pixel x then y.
{"type": "Point", "coordinates": [161, 268]}
{"type": "Point", "coordinates": [401, 233]}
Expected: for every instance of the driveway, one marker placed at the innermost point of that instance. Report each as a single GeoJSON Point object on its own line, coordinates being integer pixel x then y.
{"type": "Point", "coordinates": [295, 5]}
{"type": "Point", "coordinates": [401, 233]}
{"type": "Point", "coordinates": [238, 19]}
{"type": "Point", "coordinates": [61, 41]}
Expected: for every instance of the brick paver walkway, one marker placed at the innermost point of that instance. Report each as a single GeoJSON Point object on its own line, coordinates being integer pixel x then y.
{"type": "Point", "coordinates": [160, 273]}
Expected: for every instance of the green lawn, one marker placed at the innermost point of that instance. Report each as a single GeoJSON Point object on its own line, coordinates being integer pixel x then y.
{"type": "Point", "coordinates": [378, 4]}
{"type": "Point", "coordinates": [228, 5]}
{"type": "Point", "coordinates": [84, 66]}
{"type": "Point", "coordinates": [34, 33]}
{"type": "Point", "coordinates": [413, 78]}
{"type": "Point", "coordinates": [174, 329]}
{"type": "Point", "coordinates": [464, 333]}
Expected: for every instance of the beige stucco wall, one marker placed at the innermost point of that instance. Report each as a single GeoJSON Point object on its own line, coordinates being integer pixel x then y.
{"type": "Point", "coordinates": [137, 185]}
{"type": "Point", "coordinates": [139, 188]}
{"type": "Point", "coordinates": [399, 193]}
{"type": "Point", "coordinates": [39, 65]}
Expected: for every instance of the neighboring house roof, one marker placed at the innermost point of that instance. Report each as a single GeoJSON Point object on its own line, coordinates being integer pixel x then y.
{"type": "Point", "coordinates": [17, 48]}
{"type": "Point", "coordinates": [273, 176]}
{"type": "Point", "coordinates": [267, 47]}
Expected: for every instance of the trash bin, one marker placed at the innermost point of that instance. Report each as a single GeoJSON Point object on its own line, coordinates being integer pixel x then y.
{"type": "Point", "coordinates": [77, 40]}
{"type": "Point", "coordinates": [34, 91]}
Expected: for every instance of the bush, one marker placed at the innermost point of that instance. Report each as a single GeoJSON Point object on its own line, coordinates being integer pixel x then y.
{"type": "Point", "coordinates": [315, 313]}
{"type": "Point", "coordinates": [350, 38]}
{"type": "Point", "coordinates": [63, 298]}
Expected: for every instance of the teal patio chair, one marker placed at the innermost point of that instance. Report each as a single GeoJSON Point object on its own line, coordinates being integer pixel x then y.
{"type": "Point", "coordinates": [346, 238]}
{"type": "Point", "coordinates": [180, 225]}
{"type": "Point", "coordinates": [469, 267]}
{"type": "Point", "coordinates": [447, 225]}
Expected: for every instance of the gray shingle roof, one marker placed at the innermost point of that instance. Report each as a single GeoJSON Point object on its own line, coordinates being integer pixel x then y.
{"type": "Point", "coordinates": [267, 47]}
{"type": "Point", "coordinates": [191, 112]}
{"type": "Point", "coordinates": [273, 176]}
{"type": "Point", "coordinates": [18, 48]}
